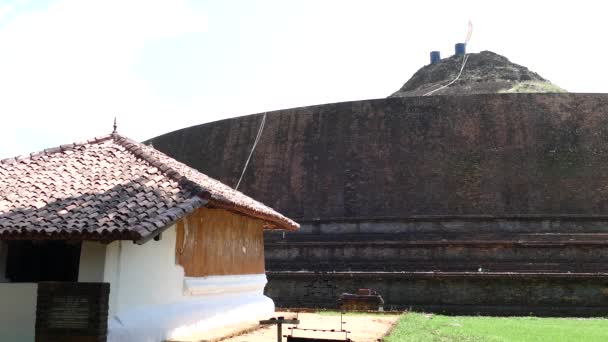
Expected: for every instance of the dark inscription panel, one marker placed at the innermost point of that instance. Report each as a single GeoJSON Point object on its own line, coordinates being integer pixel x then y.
{"type": "Point", "coordinates": [72, 312]}
{"type": "Point", "coordinates": [69, 312]}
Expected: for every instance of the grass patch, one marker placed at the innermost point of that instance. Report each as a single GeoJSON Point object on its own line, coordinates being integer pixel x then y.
{"type": "Point", "coordinates": [423, 327]}
{"type": "Point", "coordinates": [534, 87]}
{"type": "Point", "coordinates": [355, 313]}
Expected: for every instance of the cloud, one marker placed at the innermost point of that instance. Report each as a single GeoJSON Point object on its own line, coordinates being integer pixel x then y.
{"type": "Point", "coordinates": [5, 11]}
{"type": "Point", "coordinates": [68, 70]}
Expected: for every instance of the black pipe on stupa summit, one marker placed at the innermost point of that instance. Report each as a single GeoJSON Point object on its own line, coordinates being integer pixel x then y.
{"type": "Point", "coordinates": [488, 197]}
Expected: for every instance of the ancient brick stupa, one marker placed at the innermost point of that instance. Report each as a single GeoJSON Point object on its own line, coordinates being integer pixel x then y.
{"type": "Point", "coordinates": [494, 202]}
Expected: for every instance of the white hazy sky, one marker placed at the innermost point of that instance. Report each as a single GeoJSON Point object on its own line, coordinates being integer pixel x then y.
{"type": "Point", "coordinates": [67, 67]}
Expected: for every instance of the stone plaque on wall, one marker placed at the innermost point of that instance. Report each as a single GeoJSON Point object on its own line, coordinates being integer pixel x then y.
{"type": "Point", "coordinates": [72, 312]}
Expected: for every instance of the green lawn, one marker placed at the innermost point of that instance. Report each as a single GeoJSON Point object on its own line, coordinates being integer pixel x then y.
{"type": "Point", "coordinates": [425, 327]}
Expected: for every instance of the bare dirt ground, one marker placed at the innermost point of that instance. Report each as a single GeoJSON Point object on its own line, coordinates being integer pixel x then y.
{"type": "Point", "coordinates": [362, 327]}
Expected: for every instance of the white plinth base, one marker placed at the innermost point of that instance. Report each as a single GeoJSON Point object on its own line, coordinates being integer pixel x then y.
{"type": "Point", "coordinates": [188, 320]}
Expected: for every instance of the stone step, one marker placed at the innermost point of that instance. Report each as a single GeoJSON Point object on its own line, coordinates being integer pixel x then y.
{"type": "Point", "coordinates": [482, 267]}
{"type": "Point", "coordinates": [446, 237]}
{"type": "Point", "coordinates": [509, 293]}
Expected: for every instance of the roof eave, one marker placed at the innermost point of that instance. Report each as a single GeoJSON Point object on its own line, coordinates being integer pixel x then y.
{"type": "Point", "coordinates": [105, 237]}
{"type": "Point", "coordinates": [271, 222]}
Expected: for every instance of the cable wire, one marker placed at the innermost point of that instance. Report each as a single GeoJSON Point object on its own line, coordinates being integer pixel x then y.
{"type": "Point", "coordinates": [255, 143]}
{"type": "Point", "coordinates": [464, 62]}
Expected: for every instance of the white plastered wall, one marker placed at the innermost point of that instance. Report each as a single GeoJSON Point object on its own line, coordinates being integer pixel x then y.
{"type": "Point", "coordinates": [18, 311]}
{"type": "Point", "coordinates": [151, 300]}
{"type": "Point", "coordinates": [92, 262]}
{"type": "Point", "coordinates": [143, 275]}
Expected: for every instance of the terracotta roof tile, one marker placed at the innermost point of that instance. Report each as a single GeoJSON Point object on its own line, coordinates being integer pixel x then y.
{"type": "Point", "coordinates": [110, 188]}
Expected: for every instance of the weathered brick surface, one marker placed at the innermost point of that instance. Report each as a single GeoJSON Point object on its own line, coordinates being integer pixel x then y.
{"type": "Point", "coordinates": [495, 154]}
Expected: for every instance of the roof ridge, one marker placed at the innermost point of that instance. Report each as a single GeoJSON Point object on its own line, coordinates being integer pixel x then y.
{"type": "Point", "coordinates": [56, 149]}
{"type": "Point", "coordinates": [135, 148]}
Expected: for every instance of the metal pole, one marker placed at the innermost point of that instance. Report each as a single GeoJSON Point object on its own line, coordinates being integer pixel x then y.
{"type": "Point", "coordinates": [279, 332]}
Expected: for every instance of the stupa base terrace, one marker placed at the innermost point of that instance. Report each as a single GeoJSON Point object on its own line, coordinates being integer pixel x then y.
{"type": "Point", "coordinates": [544, 266]}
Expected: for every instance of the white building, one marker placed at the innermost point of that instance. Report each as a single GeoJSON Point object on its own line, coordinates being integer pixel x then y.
{"type": "Point", "coordinates": [183, 253]}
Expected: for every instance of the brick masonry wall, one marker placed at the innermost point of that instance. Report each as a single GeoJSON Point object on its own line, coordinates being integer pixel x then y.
{"type": "Point", "coordinates": [493, 154]}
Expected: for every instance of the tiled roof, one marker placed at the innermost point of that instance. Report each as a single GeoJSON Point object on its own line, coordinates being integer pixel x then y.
{"type": "Point", "coordinates": [110, 188]}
